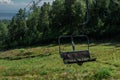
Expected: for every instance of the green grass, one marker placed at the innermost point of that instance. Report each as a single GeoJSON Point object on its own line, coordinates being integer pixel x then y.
{"type": "Point", "coordinates": [44, 63]}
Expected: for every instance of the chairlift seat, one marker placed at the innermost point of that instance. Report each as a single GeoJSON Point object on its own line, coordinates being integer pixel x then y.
{"type": "Point", "coordinates": [76, 57]}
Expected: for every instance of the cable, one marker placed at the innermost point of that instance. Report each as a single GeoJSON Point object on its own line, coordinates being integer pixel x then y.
{"type": "Point", "coordinates": [28, 4]}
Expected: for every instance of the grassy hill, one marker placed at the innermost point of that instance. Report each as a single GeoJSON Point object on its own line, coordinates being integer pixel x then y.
{"type": "Point", "coordinates": [44, 63]}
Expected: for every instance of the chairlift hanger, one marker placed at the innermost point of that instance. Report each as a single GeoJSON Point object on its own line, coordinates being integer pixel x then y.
{"type": "Point", "coordinates": [74, 56]}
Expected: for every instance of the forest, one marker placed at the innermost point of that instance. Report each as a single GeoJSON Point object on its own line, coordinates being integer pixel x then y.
{"type": "Point", "coordinates": [44, 24]}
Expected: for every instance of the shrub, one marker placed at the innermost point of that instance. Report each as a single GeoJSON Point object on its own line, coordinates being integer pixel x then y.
{"type": "Point", "coordinates": [102, 73]}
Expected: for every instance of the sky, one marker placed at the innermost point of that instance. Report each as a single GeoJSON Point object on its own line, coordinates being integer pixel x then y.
{"type": "Point", "coordinates": [8, 8]}
{"type": "Point", "coordinates": [12, 6]}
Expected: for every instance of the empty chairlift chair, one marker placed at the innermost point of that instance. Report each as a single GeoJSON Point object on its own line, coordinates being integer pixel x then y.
{"type": "Point", "coordinates": [74, 56]}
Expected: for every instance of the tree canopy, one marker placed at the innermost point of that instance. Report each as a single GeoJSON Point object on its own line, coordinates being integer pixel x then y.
{"type": "Point", "coordinates": [46, 23]}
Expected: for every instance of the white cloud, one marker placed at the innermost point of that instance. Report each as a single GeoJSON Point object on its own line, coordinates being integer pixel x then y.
{"type": "Point", "coordinates": [6, 2]}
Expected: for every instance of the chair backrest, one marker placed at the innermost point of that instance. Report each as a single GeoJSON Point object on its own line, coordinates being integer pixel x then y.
{"type": "Point", "coordinates": [76, 55]}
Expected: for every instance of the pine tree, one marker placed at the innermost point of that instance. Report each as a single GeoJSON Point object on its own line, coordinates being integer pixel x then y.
{"type": "Point", "coordinates": [69, 16]}
{"type": "Point", "coordinates": [44, 21]}
{"type": "Point", "coordinates": [57, 18]}
{"type": "Point", "coordinates": [17, 29]}
{"type": "Point", "coordinates": [3, 35]}
{"type": "Point", "coordinates": [32, 23]}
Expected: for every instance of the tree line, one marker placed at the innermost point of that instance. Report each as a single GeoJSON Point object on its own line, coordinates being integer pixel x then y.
{"type": "Point", "coordinates": [44, 24]}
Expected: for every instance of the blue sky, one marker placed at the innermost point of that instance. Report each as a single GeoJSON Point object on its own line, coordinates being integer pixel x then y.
{"type": "Point", "coordinates": [12, 6]}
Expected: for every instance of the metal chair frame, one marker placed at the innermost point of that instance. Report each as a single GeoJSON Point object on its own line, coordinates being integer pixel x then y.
{"type": "Point", "coordinates": [74, 56]}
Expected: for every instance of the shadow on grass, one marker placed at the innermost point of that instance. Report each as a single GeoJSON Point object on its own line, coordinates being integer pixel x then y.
{"type": "Point", "coordinates": [105, 43]}
{"type": "Point", "coordinates": [25, 57]}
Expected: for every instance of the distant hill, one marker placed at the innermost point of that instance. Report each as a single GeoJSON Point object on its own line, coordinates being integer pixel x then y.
{"type": "Point", "coordinates": [6, 15]}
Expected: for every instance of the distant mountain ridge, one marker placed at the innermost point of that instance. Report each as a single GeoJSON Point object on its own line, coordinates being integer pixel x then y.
{"type": "Point", "coordinates": [6, 15]}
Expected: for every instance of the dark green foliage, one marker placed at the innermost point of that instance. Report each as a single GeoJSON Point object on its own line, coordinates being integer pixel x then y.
{"type": "Point", "coordinates": [18, 29]}
{"type": "Point", "coordinates": [113, 19]}
{"type": "Point", "coordinates": [64, 17]}
{"type": "Point", "coordinates": [3, 35]}
{"type": "Point", "coordinates": [32, 24]}
{"type": "Point", "coordinates": [44, 21]}
{"type": "Point", "coordinates": [57, 15]}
